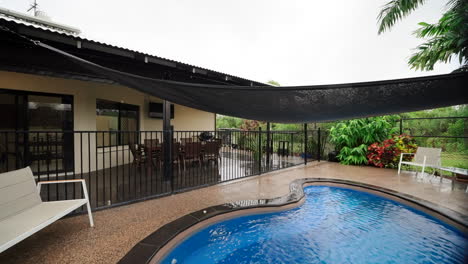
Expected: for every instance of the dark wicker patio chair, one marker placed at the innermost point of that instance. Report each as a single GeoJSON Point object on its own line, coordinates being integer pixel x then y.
{"type": "Point", "coordinates": [176, 155]}
{"type": "Point", "coordinates": [153, 146]}
{"type": "Point", "coordinates": [151, 142]}
{"type": "Point", "coordinates": [138, 152]}
{"type": "Point", "coordinates": [186, 140]}
{"type": "Point", "coordinates": [211, 151]}
{"type": "Point", "coordinates": [192, 152]}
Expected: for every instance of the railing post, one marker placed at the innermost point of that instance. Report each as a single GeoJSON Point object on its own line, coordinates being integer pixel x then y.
{"type": "Point", "coordinates": [259, 150]}
{"type": "Point", "coordinates": [26, 151]}
{"type": "Point", "coordinates": [318, 144]}
{"type": "Point", "coordinates": [292, 145]}
{"type": "Point", "coordinates": [305, 143]}
{"type": "Point", "coordinates": [268, 138]}
{"type": "Point", "coordinates": [401, 126]}
{"type": "Point", "coordinates": [18, 157]}
{"type": "Point", "coordinates": [167, 142]}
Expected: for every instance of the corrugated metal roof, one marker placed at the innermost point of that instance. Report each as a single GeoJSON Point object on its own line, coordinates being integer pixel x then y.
{"type": "Point", "coordinates": [36, 25]}
{"type": "Point", "coordinates": [40, 19]}
{"type": "Point", "coordinates": [151, 58]}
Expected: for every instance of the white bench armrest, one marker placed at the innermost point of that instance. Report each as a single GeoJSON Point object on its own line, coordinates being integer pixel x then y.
{"type": "Point", "coordinates": [60, 181]}
{"type": "Point", "coordinates": [85, 193]}
{"type": "Point", "coordinates": [39, 184]}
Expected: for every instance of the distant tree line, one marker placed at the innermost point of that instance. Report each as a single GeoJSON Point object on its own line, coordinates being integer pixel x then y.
{"type": "Point", "coordinates": [428, 127]}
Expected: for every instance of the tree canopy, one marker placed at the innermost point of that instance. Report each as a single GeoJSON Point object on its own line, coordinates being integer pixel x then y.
{"type": "Point", "coordinates": [445, 39]}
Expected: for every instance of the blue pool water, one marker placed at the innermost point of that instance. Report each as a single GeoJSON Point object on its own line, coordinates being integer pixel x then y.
{"type": "Point", "coordinates": [334, 225]}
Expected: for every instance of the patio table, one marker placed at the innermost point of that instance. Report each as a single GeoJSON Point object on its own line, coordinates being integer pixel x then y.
{"type": "Point", "coordinates": [460, 174]}
{"type": "Point", "coordinates": [150, 150]}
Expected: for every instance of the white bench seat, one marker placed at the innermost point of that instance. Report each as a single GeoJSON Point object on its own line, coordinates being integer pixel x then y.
{"type": "Point", "coordinates": [22, 213]}
{"type": "Point", "coordinates": [20, 226]}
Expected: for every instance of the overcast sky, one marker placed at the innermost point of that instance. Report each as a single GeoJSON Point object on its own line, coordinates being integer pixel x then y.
{"type": "Point", "coordinates": [294, 42]}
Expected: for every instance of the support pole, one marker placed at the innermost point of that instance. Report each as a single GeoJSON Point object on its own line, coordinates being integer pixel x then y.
{"type": "Point", "coordinates": [291, 152]}
{"type": "Point", "coordinates": [305, 143]}
{"type": "Point", "coordinates": [259, 150]}
{"type": "Point", "coordinates": [268, 143]}
{"type": "Point", "coordinates": [318, 144]}
{"type": "Point", "coordinates": [168, 175]}
{"type": "Point", "coordinates": [401, 126]}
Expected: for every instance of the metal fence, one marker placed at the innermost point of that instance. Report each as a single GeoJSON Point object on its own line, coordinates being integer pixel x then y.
{"type": "Point", "coordinates": [125, 166]}
{"type": "Point", "coordinates": [448, 133]}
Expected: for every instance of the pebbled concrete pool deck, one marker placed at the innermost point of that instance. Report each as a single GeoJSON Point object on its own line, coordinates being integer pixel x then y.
{"type": "Point", "coordinates": [117, 230]}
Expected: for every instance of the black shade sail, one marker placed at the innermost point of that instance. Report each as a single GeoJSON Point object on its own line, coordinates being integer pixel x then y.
{"type": "Point", "coordinates": [298, 103]}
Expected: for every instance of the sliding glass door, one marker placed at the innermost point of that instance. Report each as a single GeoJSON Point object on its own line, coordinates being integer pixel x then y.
{"type": "Point", "coordinates": [39, 122]}
{"type": "Point", "coordinates": [12, 124]}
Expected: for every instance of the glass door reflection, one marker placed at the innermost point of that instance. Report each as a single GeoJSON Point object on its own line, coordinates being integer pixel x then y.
{"type": "Point", "coordinates": [50, 146]}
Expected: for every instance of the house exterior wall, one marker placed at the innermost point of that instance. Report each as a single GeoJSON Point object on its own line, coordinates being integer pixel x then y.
{"type": "Point", "coordinates": [85, 94]}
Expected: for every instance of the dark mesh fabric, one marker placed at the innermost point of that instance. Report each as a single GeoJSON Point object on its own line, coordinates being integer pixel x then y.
{"type": "Point", "coordinates": [300, 103]}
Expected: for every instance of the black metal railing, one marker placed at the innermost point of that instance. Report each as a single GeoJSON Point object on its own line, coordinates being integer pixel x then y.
{"type": "Point", "coordinates": [117, 174]}
{"type": "Point", "coordinates": [447, 133]}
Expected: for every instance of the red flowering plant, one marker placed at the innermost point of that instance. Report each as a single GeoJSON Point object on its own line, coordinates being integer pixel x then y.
{"type": "Point", "coordinates": [382, 154]}
{"type": "Point", "coordinates": [386, 154]}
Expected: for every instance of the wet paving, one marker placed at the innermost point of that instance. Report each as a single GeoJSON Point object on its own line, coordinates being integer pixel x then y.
{"type": "Point", "coordinates": [117, 230]}
{"type": "Point", "coordinates": [128, 182]}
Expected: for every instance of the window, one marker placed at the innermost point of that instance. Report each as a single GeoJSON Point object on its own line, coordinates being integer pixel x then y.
{"type": "Point", "coordinates": [120, 122]}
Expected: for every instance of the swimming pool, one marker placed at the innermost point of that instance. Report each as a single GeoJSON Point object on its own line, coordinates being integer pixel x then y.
{"type": "Point", "coordinates": [334, 225]}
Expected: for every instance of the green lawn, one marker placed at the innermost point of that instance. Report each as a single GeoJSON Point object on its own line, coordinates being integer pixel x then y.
{"type": "Point", "coordinates": [458, 160]}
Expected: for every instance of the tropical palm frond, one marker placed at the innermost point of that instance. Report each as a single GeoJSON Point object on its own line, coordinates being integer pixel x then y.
{"type": "Point", "coordinates": [447, 38]}
{"type": "Point", "coordinates": [437, 29]}
{"type": "Point", "coordinates": [394, 11]}
{"type": "Point", "coordinates": [437, 49]}
{"type": "Point", "coordinates": [455, 4]}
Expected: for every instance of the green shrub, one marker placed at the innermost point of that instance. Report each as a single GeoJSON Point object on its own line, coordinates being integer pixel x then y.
{"type": "Point", "coordinates": [254, 147]}
{"type": "Point", "coordinates": [352, 138]}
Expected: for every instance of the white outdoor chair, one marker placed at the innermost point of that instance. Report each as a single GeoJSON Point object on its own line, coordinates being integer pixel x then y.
{"type": "Point", "coordinates": [424, 157]}
{"type": "Point", "coordinates": [23, 213]}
